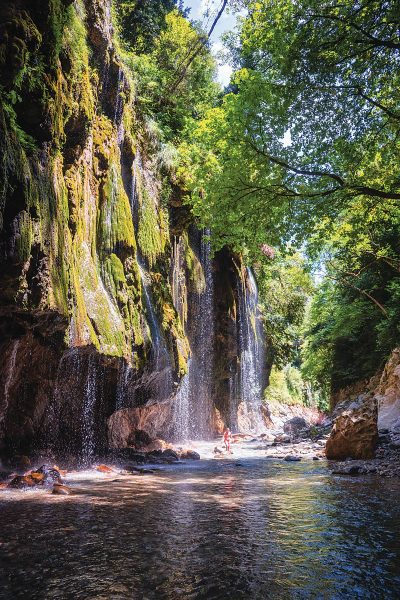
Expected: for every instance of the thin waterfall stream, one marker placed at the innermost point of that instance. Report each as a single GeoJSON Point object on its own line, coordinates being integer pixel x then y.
{"type": "Point", "coordinates": [252, 352]}
{"type": "Point", "coordinates": [9, 379]}
{"type": "Point", "coordinates": [193, 403]}
{"type": "Point", "coordinates": [88, 413]}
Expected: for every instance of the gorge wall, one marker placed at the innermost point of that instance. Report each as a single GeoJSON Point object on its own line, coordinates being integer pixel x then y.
{"type": "Point", "coordinates": [110, 301]}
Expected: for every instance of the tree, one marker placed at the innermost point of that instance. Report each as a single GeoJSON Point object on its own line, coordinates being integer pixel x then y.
{"type": "Point", "coordinates": [142, 21]}
{"type": "Point", "coordinates": [311, 69]}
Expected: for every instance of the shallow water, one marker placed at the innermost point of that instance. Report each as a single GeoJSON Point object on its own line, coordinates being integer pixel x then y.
{"type": "Point", "coordinates": [243, 528]}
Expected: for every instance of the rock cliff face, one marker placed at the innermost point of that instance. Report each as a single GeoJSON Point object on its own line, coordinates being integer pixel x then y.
{"type": "Point", "coordinates": [355, 431]}
{"type": "Point", "coordinates": [100, 279]}
{"type": "Point", "coordinates": [364, 409]}
{"type": "Point", "coordinates": [387, 394]}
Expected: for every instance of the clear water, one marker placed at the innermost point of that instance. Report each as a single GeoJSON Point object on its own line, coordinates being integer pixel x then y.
{"type": "Point", "coordinates": [246, 528]}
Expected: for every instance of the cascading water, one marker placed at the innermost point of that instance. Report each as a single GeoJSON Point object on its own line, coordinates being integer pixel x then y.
{"type": "Point", "coordinates": [178, 279]}
{"type": "Point", "coordinates": [252, 349]}
{"type": "Point", "coordinates": [182, 421]}
{"type": "Point", "coordinates": [124, 374]}
{"type": "Point", "coordinates": [9, 379]}
{"type": "Point", "coordinates": [88, 413]}
{"type": "Point", "coordinates": [134, 195]}
{"type": "Point", "coordinates": [193, 403]}
{"type": "Point", "coordinates": [234, 393]}
{"type": "Point", "coordinates": [119, 107]}
{"type": "Point", "coordinates": [160, 359]}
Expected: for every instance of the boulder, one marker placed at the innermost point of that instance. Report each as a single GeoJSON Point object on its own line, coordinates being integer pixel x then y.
{"type": "Point", "coordinates": [170, 454]}
{"type": "Point", "coordinates": [61, 490]}
{"type": "Point", "coordinates": [282, 439]}
{"type": "Point", "coordinates": [295, 425]}
{"type": "Point", "coordinates": [291, 458]}
{"type": "Point", "coordinates": [48, 474]}
{"type": "Point", "coordinates": [189, 455]}
{"type": "Point", "coordinates": [163, 456]}
{"type": "Point", "coordinates": [355, 431]}
{"type": "Point", "coordinates": [124, 424]}
{"type": "Point", "coordinates": [139, 439]}
{"type": "Point", "coordinates": [21, 482]}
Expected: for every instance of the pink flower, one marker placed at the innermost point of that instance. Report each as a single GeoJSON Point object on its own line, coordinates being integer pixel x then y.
{"type": "Point", "coordinates": [268, 251]}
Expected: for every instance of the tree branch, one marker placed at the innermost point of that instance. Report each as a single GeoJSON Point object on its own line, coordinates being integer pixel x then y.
{"type": "Point", "coordinates": [358, 189]}
{"type": "Point", "coordinates": [201, 44]}
{"type": "Point", "coordinates": [372, 39]}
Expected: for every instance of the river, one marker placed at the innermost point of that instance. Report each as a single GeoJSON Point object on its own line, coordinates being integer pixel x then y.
{"type": "Point", "coordinates": [249, 527]}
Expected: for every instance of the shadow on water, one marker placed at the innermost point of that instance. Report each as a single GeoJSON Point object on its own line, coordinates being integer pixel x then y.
{"type": "Point", "coordinates": [214, 530]}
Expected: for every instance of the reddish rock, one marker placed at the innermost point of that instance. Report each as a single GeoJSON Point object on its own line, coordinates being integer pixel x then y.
{"type": "Point", "coordinates": [123, 424]}
{"type": "Point", "coordinates": [218, 425]}
{"type": "Point", "coordinates": [61, 490]}
{"type": "Point", "coordinates": [37, 477]}
{"type": "Point", "coordinates": [355, 431]}
{"type": "Point", "coordinates": [104, 469]}
{"type": "Point", "coordinates": [21, 482]}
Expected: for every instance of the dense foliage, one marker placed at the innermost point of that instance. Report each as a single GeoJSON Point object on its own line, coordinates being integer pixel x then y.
{"type": "Point", "coordinates": [295, 167]}
{"type": "Point", "coordinates": [304, 152]}
{"type": "Point", "coordinates": [142, 21]}
{"type": "Point", "coordinates": [173, 86]}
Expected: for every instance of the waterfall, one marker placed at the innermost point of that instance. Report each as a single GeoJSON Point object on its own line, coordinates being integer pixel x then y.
{"type": "Point", "coordinates": [193, 402]}
{"type": "Point", "coordinates": [178, 280]}
{"type": "Point", "coordinates": [234, 393]}
{"type": "Point", "coordinates": [124, 374]}
{"type": "Point", "coordinates": [159, 348]}
{"type": "Point", "coordinates": [182, 423]}
{"type": "Point", "coordinates": [252, 348]}
{"type": "Point", "coordinates": [205, 341]}
{"type": "Point", "coordinates": [119, 107]}
{"type": "Point", "coordinates": [88, 413]}
{"type": "Point", "coordinates": [9, 378]}
{"type": "Point", "coordinates": [162, 382]}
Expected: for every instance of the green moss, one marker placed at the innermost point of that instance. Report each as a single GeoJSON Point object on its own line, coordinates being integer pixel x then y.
{"type": "Point", "coordinates": [24, 238]}
{"type": "Point", "coordinates": [195, 270]}
{"type": "Point", "coordinates": [171, 324]}
{"type": "Point", "coordinates": [153, 229]}
{"type": "Point", "coordinates": [102, 312]}
{"type": "Point", "coordinates": [115, 227]}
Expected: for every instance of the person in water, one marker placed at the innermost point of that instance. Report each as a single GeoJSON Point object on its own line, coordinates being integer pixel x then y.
{"type": "Point", "coordinates": [227, 439]}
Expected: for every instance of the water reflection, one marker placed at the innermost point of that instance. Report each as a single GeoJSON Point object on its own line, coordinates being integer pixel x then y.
{"type": "Point", "coordinates": [214, 530]}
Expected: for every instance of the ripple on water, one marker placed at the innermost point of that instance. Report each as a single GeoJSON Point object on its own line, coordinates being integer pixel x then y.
{"type": "Point", "coordinates": [212, 530]}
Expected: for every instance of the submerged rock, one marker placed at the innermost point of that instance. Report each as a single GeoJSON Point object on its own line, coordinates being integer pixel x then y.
{"type": "Point", "coordinates": [348, 470]}
{"type": "Point", "coordinates": [355, 431]}
{"type": "Point", "coordinates": [282, 439]}
{"type": "Point", "coordinates": [291, 458]}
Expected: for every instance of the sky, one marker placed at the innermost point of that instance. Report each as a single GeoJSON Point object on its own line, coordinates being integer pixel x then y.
{"type": "Point", "coordinates": [226, 23]}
